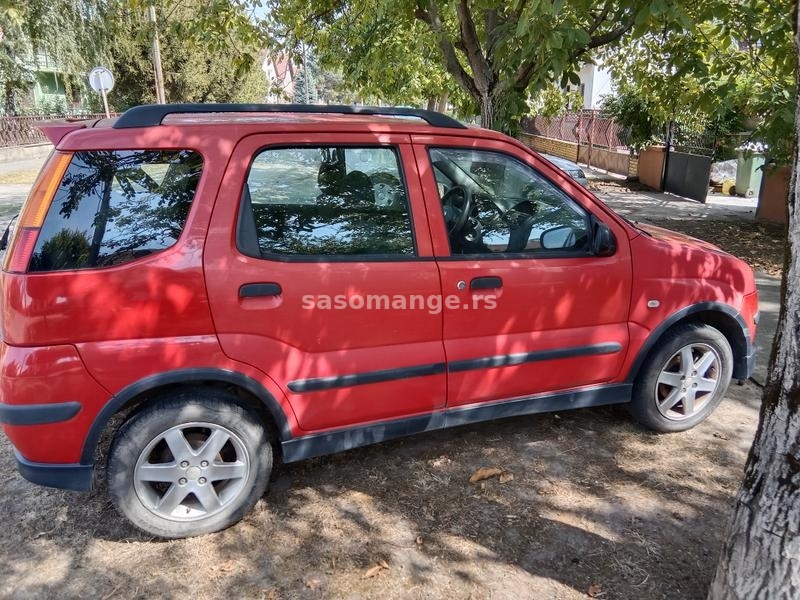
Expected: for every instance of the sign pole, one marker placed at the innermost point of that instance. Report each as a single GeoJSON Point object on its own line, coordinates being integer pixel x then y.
{"type": "Point", "coordinates": [105, 102]}
{"type": "Point", "coordinates": [102, 81]}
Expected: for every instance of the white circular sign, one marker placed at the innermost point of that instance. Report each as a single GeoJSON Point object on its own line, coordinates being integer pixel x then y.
{"type": "Point", "coordinates": [101, 80]}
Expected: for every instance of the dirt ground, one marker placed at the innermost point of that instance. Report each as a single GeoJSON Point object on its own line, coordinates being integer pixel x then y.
{"type": "Point", "coordinates": [596, 504]}
{"type": "Point", "coordinates": [597, 507]}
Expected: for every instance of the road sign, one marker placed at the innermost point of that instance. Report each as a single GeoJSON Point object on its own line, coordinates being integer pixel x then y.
{"type": "Point", "coordinates": [102, 82]}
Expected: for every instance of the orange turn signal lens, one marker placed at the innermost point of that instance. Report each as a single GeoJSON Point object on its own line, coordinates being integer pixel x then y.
{"type": "Point", "coordinates": [44, 189]}
{"type": "Point", "coordinates": [26, 230]}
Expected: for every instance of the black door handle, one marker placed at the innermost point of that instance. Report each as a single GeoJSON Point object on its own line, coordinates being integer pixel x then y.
{"type": "Point", "coordinates": [255, 290]}
{"type": "Point", "coordinates": [486, 283]}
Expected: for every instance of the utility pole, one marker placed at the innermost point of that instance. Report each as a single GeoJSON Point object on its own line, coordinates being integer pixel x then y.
{"type": "Point", "coordinates": [160, 96]}
{"type": "Point", "coordinates": [305, 73]}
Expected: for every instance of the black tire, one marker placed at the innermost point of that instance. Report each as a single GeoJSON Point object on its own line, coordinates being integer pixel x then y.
{"type": "Point", "coordinates": [651, 398]}
{"type": "Point", "coordinates": [236, 476]}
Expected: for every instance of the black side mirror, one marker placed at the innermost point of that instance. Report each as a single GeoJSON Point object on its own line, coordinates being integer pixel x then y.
{"type": "Point", "coordinates": [7, 233]}
{"type": "Point", "coordinates": [603, 241]}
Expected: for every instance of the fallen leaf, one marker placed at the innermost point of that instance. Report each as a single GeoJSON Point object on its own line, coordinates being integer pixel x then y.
{"type": "Point", "coordinates": [372, 571]}
{"type": "Point", "coordinates": [485, 473]}
{"type": "Point", "coordinates": [383, 564]}
{"type": "Point", "coordinates": [312, 584]}
{"type": "Point", "coordinates": [721, 436]}
{"type": "Point", "coordinates": [594, 591]}
{"type": "Point", "coordinates": [506, 477]}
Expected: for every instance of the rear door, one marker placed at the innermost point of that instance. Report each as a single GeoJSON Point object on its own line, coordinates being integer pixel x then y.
{"type": "Point", "coordinates": [316, 246]}
{"type": "Point", "coordinates": [532, 310]}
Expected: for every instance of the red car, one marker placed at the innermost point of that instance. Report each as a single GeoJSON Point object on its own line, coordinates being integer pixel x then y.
{"type": "Point", "coordinates": [197, 291]}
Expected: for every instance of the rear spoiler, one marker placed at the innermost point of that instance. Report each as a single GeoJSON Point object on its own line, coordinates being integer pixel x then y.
{"type": "Point", "coordinates": [56, 130]}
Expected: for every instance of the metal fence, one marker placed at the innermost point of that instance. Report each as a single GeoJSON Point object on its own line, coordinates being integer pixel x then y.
{"type": "Point", "coordinates": [22, 131]}
{"type": "Point", "coordinates": [580, 127]}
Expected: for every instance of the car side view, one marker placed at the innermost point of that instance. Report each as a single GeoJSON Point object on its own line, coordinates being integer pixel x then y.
{"type": "Point", "coordinates": [194, 293]}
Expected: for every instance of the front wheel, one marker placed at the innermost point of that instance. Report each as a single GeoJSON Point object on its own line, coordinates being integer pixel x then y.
{"type": "Point", "coordinates": [193, 462]}
{"type": "Point", "coordinates": [683, 380]}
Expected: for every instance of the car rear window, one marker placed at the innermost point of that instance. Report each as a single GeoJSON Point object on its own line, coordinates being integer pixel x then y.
{"type": "Point", "coordinates": [116, 206]}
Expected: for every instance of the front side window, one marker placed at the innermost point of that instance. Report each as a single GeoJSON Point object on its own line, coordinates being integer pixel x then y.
{"type": "Point", "coordinates": [493, 204]}
{"type": "Point", "coordinates": [325, 201]}
{"type": "Point", "coordinates": [116, 206]}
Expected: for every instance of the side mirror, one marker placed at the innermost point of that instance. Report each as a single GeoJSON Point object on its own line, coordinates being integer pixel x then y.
{"type": "Point", "coordinates": [7, 233]}
{"type": "Point", "coordinates": [603, 241]}
{"type": "Point", "coordinates": [558, 238]}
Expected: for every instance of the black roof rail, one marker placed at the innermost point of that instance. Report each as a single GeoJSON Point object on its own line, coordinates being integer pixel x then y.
{"type": "Point", "coordinates": [149, 115]}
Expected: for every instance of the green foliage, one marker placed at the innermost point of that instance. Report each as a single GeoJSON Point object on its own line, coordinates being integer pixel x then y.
{"type": "Point", "coordinates": [643, 118]}
{"type": "Point", "coordinates": [198, 64]}
{"type": "Point", "coordinates": [553, 101]}
{"type": "Point", "coordinates": [66, 30]}
{"type": "Point", "coordinates": [731, 65]}
{"type": "Point", "coordinates": [488, 55]}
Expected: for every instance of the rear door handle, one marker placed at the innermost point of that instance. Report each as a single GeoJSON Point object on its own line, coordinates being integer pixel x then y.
{"type": "Point", "coordinates": [258, 290]}
{"type": "Point", "coordinates": [486, 283]}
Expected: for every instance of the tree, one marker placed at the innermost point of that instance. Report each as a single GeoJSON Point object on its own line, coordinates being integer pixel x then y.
{"type": "Point", "coordinates": [495, 53]}
{"type": "Point", "coordinates": [722, 68]}
{"type": "Point", "coordinates": [67, 30]}
{"type": "Point", "coordinates": [305, 82]}
{"type": "Point", "coordinates": [761, 558]}
{"type": "Point", "coordinates": [198, 64]}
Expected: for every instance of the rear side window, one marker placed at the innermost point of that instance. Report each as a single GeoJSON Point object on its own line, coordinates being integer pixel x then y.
{"type": "Point", "coordinates": [113, 207]}
{"type": "Point", "coordinates": [325, 201]}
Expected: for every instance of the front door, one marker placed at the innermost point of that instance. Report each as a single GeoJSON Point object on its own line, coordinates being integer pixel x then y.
{"type": "Point", "coordinates": [532, 309]}
{"type": "Point", "coordinates": [311, 261]}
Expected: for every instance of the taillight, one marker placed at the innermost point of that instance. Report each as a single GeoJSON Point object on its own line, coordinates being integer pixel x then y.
{"type": "Point", "coordinates": [26, 231]}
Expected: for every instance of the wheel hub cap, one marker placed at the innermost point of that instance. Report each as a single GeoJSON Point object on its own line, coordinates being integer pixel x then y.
{"type": "Point", "coordinates": [191, 471]}
{"type": "Point", "coordinates": [687, 381]}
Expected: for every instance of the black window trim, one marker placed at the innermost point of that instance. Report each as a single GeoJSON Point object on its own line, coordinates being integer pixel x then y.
{"type": "Point", "coordinates": [540, 253]}
{"type": "Point", "coordinates": [334, 258]}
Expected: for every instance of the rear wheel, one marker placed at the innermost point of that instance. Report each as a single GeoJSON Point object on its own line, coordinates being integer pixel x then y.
{"type": "Point", "coordinates": [193, 462]}
{"type": "Point", "coordinates": [683, 380]}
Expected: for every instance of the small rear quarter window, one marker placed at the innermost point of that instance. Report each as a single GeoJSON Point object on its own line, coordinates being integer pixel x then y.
{"type": "Point", "coordinates": [116, 206]}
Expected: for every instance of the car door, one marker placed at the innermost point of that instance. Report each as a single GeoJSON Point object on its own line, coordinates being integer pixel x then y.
{"type": "Point", "coordinates": [310, 246]}
{"type": "Point", "coordinates": [521, 319]}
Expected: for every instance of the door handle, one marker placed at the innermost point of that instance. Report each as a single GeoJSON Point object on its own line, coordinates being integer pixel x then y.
{"type": "Point", "coordinates": [486, 283]}
{"type": "Point", "coordinates": [257, 290]}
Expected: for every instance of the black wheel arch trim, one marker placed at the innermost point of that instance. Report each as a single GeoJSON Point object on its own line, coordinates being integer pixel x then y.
{"type": "Point", "coordinates": [180, 376]}
{"type": "Point", "coordinates": [743, 364]}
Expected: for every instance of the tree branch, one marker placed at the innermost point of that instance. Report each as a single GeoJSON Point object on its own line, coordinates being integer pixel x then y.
{"type": "Point", "coordinates": [482, 74]}
{"type": "Point", "coordinates": [598, 20]}
{"type": "Point", "coordinates": [431, 17]}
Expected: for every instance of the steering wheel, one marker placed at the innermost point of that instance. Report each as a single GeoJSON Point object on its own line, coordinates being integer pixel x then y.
{"type": "Point", "coordinates": [456, 213]}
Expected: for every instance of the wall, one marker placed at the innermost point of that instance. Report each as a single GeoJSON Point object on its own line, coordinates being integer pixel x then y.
{"type": "Point", "coordinates": [651, 167]}
{"type": "Point", "coordinates": [568, 150]}
{"type": "Point", "coordinates": [773, 201]}
{"type": "Point", "coordinates": [601, 158]}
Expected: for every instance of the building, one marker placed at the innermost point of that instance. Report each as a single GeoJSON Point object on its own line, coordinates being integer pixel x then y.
{"type": "Point", "coordinates": [280, 72]}
{"type": "Point", "coordinates": [595, 83]}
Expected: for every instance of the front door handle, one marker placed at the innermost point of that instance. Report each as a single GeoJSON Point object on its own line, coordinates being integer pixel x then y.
{"type": "Point", "coordinates": [486, 283]}
{"type": "Point", "coordinates": [259, 290]}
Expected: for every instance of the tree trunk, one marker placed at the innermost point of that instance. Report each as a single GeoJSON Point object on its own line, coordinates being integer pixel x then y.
{"type": "Point", "coordinates": [761, 557]}
{"type": "Point", "coordinates": [10, 100]}
{"type": "Point", "coordinates": [441, 102]}
{"type": "Point", "coordinates": [488, 106]}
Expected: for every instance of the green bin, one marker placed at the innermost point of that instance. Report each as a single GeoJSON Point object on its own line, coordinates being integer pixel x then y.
{"type": "Point", "coordinates": [749, 170]}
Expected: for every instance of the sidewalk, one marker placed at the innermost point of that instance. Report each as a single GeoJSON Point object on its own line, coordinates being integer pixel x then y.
{"type": "Point", "coordinates": [644, 205]}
